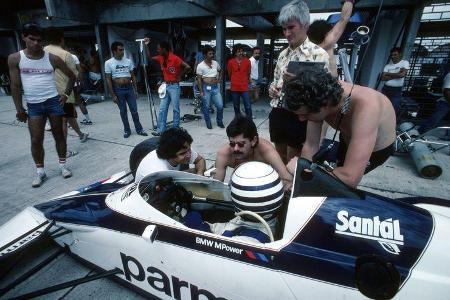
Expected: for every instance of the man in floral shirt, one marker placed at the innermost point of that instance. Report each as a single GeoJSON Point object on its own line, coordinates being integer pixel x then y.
{"type": "Point", "coordinates": [287, 132]}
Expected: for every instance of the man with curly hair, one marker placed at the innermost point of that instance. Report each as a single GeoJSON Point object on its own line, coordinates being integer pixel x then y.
{"type": "Point", "coordinates": [364, 117]}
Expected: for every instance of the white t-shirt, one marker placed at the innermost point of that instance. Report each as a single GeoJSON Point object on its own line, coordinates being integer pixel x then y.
{"type": "Point", "coordinates": [152, 163]}
{"type": "Point", "coordinates": [395, 68]}
{"type": "Point", "coordinates": [119, 68]}
{"type": "Point", "coordinates": [205, 71]}
{"type": "Point", "coordinates": [254, 70]}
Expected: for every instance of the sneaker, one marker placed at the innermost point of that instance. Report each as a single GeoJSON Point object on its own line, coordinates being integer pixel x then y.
{"type": "Point", "coordinates": [86, 122]}
{"type": "Point", "coordinates": [143, 133]}
{"type": "Point", "coordinates": [209, 126]}
{"type": "Point", "coordinates": [38, 180]}
{"type": "Point", "coordinates": [84, 137]}
{"type": "Point", "coordinates": [220, 124]}
{"type": "Point", "coordinates": [156, 133]}
{"type": "Point", "coordinates": [71, 153]}
{"type": "Point", "coordinates": [65, 172]}
{"type": "Point", "coordinates": [126, 135]}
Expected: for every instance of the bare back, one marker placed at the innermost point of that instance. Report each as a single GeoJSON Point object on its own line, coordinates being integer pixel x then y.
{"type": "Point", "coordinates": [371, 113]}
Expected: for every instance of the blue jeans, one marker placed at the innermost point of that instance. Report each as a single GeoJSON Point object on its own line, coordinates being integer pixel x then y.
{"type": "Point", "coordinates": [125, 94]}
{"type": "Point", "coordinates": [394, 94]}
{"type": "Point", "coordinates": [172, 94]}
{"type": "Point", "coordinates": [212, 92]}
{"type": "Point", "coordinates": [235, 96]}
{"type": "Point", "coordinates": [441, 110]}
{"type": "Point", "coordinates": [49, 107]}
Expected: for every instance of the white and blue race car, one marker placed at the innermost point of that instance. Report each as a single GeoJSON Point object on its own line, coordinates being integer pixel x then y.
{"type": "Point", "coordinates": [331, 242]}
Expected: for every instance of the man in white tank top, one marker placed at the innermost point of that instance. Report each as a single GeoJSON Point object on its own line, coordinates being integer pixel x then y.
{"type": "Point", "coordinates": [33, 69]}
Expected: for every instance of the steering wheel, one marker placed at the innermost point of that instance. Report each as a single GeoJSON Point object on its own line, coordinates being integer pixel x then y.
{"type": "Point", "coordinates": [260, 219]}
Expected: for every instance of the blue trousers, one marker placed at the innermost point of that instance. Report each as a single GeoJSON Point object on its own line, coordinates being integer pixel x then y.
{"type": "Point", "coordinates": [172, 94]}
{"type": "Point", "coordinates": [212, 92]}
{"type": "Point", "coordinates": [394, 94]}
{"type": "Point", "coordinates": [235, 96]}
{"type": "Point", "coordinates": [126, 95]}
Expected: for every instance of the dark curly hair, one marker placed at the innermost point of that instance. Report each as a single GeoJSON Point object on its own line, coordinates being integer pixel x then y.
{"type": "Point", "coordinates": [313, 88]}
{"type": "Point", "coordinates": [318, 31]}
{"type": "Point", "coordinates": [172, 140]}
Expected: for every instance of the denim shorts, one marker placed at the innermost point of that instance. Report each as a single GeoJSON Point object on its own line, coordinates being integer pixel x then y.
{"type": "Point", "coordinates": [49, 107]}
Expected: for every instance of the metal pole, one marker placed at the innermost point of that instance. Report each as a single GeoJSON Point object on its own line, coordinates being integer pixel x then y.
{"type": "Point", "coordinates": [220, 53]}
{"type": "Point", "coordinates": [343, 58]}
{"type": "Point", "coordinates": [18, 40]}
{"type": "Point", "coordinates": [101, 58]}
{"type": "Point", "coordinates": [355, 50]}
{"type": "Point", "coordinates": [151, 103]}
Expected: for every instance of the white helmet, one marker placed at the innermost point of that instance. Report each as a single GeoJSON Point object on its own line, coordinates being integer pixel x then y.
{"type": "Point", "coordinates": [256, 186]}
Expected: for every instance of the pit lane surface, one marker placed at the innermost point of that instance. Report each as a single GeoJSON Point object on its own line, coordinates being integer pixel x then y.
{"type": "Point", "coordinates": [107, 152]}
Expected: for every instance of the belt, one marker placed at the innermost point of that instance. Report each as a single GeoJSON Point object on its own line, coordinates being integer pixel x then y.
{"type": "Point", "coordinates": [172, 82]}
{"type": "Point", "coordinates": [122, 84]}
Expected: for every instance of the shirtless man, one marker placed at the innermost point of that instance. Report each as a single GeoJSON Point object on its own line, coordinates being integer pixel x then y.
{"type": "Point", "coordinates": [244, 146]}
{"type": "Point", "coordinates": [367, 129]}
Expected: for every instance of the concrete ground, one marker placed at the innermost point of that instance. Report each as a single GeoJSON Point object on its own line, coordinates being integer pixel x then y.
{"type": "Point", "coordinates": [107, 152]}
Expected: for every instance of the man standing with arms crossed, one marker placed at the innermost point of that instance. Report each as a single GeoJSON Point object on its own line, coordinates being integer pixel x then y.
{"type": "Point", "coordinates": [120, 76]}
{"type": "Point", "coordinates": [33, 69]}
{"type": "Point", "coordinates": [394, 74]}
{"type": "Point", "coordinates": [173, 69]}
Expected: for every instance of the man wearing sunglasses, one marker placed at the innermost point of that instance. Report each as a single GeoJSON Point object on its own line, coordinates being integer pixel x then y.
{"type": "Point", "coordinates": [173, 151]}
{"type": "Point", "coordinates": [245, 145]}
{"type": "Point", "coordinates": [33, 69]}
{"type": "Point", "coordinates": [364, 117]}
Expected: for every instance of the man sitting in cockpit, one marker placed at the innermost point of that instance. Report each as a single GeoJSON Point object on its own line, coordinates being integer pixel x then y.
{"type": "Point", "coordinates": [257, 195]}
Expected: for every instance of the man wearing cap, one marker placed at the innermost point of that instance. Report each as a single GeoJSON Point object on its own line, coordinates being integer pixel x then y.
{"type": "Point", "coordinates": [173, 69]}
{"type": "Point", "coordinates": [245, 146]}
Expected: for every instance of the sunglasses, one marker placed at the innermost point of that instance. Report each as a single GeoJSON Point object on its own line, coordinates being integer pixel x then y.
{"type": "Point", "coordinates": [240, 144]}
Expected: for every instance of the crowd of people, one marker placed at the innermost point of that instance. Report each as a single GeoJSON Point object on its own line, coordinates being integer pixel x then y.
{"type": "Point", "coordinates": [303, 103]}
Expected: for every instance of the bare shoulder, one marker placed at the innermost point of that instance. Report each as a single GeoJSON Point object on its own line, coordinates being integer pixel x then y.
{"type": "Point", "coordinates": [13, 59]}
{"type": "Point", "coordinates": [224, 151]}
{"type": "Point", "coordinates": [265, 147]}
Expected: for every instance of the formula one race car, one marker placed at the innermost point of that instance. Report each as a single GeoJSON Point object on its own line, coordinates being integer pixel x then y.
{"type": "Point", "coordinates": [330, 242]}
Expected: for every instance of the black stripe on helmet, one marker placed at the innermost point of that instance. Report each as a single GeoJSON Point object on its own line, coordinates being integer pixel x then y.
{"type": "Point", "coordinates": [256, 188]}
{"type": "Point", "coordinates": [257, 199]}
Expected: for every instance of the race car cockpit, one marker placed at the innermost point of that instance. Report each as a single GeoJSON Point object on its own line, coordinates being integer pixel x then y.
{"type": "Point", "coordinates": [256, 199]}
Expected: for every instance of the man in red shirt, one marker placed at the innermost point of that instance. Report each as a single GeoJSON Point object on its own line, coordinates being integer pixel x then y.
{"type": "Point", "coordinates": [173, 69]}
{"type": "Point", "coordinates": [239, 69]}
